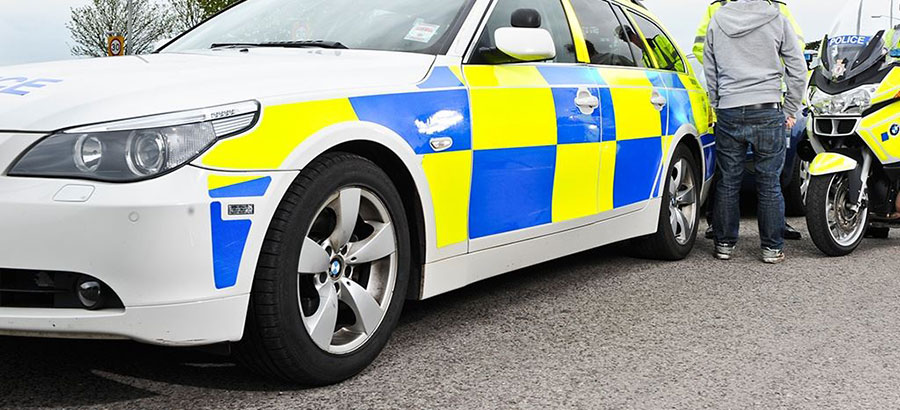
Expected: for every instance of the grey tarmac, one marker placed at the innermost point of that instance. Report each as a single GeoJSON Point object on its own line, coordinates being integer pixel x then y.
{"type": "Point", "coordinates": [596, 330]}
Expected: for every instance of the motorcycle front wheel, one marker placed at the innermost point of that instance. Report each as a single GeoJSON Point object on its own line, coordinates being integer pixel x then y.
{"type": "Point", "coordinates": [835, 228]}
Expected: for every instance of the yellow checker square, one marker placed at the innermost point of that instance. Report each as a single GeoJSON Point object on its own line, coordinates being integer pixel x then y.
{"type": "Point", "coordinates": [449, 177]}
{"type": "Point", "coordinates": [504, 76]}
{"type": "Point", "coordinates": [620, 77]}
{"type": "Point", "coordinates": [635, 115]}
{"type": "Point", "coordinates": [282, 128]}
{"type": "Point", "coordinates": [608, 151]}
{"type": "Point", "coordinates": [700, 106]}
{"type": "Point", "coordinates": [575, 187]}
{"type": "Point", "coordinates": [512, 118]}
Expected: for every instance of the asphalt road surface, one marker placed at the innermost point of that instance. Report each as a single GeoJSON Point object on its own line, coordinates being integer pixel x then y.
{"type": "Point", "coordinates": [597, 330]}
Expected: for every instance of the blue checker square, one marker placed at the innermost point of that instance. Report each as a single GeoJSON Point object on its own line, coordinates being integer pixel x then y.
{"type": "Point", "coordinates": [637, 165]}
{"type": "Point", "coordinates": [512, 189]}
{"type": "Point", "coordinates": [573, 126]}
{"type": "Point", "coordinates": [680, 111]}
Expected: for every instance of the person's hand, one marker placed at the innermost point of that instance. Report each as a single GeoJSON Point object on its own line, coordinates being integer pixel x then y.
{"type": "Point", "coordinates": [790, 122]}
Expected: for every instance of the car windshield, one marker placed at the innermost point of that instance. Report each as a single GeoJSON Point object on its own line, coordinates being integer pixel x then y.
{"type": "Point", "coordinates": [864, 33]}
{"type": "Point", "coordinates": [391, 25]}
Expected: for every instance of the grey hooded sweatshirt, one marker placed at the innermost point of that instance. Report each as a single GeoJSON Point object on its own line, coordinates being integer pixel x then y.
{"type": "Point", "coordinates": [751, 49]}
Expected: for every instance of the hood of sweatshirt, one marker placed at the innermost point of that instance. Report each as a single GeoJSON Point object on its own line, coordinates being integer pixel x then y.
{"type": "Point", "coordinates": [739, 18]}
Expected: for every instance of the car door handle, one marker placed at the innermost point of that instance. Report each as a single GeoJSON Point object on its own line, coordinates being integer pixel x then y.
{"type": "Point", "coordinates": [659, 102]}
{"type": "Point", "coordinates": [586, 101]}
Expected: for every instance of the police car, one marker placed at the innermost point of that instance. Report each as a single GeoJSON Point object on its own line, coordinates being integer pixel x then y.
{"type": "Point", "coordinates": [285, 175]}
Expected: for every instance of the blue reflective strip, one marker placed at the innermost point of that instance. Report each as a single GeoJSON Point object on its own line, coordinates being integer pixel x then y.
{"type": "Point", "coordinates": [512, 189]}
{"type": "Point", "coordinates": [637, 165]}
{"type": "Point", "coordinates": [680, 111]}
{"type": "Point", "coordinates": [710, 153]}
{"type": "Point", "coordinates": [420, 116]}
{"type": "Point", "coordinates": [573, 127]}
{"type": "Point", "coordinates": [228, 241]}
{"type": "Point", "coordinates": [885, 137]}
{"type": "Point", "coordinates": [708, 139]}
{"type": "Point", "coordinates": [570, 75]}
{"type": "Point", "coordinates": [656, 79]}
{"type": "Point", "coordinates": [608, 114]}
{"type": "Point", "coordinates": [441, 77]}
{"type": "Point", "coordinates": [254, 188]}
{"type": "Point", "coordinates": [672, 80]}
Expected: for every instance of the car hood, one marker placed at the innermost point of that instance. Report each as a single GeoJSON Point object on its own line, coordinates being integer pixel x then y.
{"type": "Point", "coordinates": [52, 96]}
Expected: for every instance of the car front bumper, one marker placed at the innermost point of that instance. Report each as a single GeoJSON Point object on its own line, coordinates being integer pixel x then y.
{"type": "Point", "coordinates": [161, 245]}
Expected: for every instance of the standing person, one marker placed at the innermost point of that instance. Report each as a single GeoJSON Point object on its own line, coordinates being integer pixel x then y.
{"type": "Point", "coordinates": [699, 46]}
{"type": "Point", "coordinates": [750, 50]}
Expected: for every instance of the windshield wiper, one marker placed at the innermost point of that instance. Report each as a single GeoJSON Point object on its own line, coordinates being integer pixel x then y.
{"type": "Point", "coordinates": [286, 44]}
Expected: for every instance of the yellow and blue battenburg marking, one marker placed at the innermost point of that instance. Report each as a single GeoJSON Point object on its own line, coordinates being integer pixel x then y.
{"type": "Point", "coordinates": [523, 153]}
{"type": "Point", "coordinates": [229, 237]}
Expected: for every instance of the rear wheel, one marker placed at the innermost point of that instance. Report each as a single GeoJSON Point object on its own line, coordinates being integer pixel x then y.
{"type": "Point", "coordinates": [680, 211]}
{"type": "Point", "coordinates": [795, 192]}
{"type": "Point", "coordinates": [332, 275]}
{"type": "Point", "coordinates": [836, 229]}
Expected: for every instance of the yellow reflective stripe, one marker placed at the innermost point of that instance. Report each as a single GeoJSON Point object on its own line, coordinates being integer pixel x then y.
{"type": "Point", "coordinates": [282, 128]}
{"type": "Point", "coordinates": [576, 186]}
{"type": "Point", "coordinates": [449, 177]}
{"type": "Point", "coordinates": [631, 92]}
{"type": "Point", "coordinates": [608, 150]}
{"type": "Point", "coordinates": [581, 50]}
{"type": "Point", "coordinates": [512, 107]}
{"type": "Point", "coordinates": [221, 181]}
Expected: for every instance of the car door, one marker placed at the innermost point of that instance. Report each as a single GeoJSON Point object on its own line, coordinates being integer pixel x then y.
{"type": "Point", "coordinates": [535, 134]}
{"type": "Point", "coordinates": [635, 122]}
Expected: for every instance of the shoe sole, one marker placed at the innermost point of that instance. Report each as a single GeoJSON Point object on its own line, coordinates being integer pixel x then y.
{"type": "Point", "coordinates": [773, 261]}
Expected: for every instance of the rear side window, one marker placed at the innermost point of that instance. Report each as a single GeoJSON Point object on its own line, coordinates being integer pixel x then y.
{"type": "Point", "coordinates": [631, 38]}
{"type": "Point", "coordinates": [661, 46]}
{"type": "Point", "coordinates": [553, 19]}
{"type": "Point", "coordinates": [606, 38]}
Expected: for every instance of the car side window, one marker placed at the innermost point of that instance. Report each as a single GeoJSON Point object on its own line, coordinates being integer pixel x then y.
{"type": "Point", "coordinates": [661, 46]}
{"type": "Point", "coordinates": [553, 19]}
{"type": "Point", "coordinates": [605, 37]}
{"type": "Point", "coordinates": [629, 35]}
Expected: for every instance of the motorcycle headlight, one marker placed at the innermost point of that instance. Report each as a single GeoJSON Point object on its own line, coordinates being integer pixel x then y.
{"type": "Point", "coordinates": [137, 149]}
{"type": "Point", "coordinates": [851, 102]}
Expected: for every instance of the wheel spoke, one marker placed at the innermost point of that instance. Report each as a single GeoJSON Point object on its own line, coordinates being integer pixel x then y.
{"type": "Point", "coordinates": [677, 177]}
{"type": "Point", "coordinates": [313, 258]}
{"type": "Point", "coordinates": [685, 197]}
{"type": "Point", "coordinates": [682, 224]}
{"type": "Point", "coordinates": [346, 207]}
{"type": "Point", "coordinates": [368, 312]}
{"type": "Point", "coordinates": [379, 245]}
{"type": "Point", "coordinates": [321, 324]}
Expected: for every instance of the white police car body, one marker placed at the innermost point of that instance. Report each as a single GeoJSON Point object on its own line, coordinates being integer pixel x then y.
{"type": "Point", "coordinates": [249, 185]}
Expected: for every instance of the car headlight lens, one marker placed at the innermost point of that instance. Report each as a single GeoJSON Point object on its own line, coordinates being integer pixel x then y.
{"type": "Point", "coordinates": [851, 102]}
{"type": "Point", "coordinates": [133, 150]}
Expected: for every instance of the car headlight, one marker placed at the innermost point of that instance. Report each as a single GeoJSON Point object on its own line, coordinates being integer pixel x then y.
{"type": "Point", "coordinates": [137, 149]}
{"type": "Point", "coordinates": [851, 102]}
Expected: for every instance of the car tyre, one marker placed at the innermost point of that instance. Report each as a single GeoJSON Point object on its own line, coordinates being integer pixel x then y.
{"type": "Point", "coordinates": [680, 212]}
{"type": "Point", "coordinates": [795, 192]}
{"type": "Point", "coordinates": [280, 338]}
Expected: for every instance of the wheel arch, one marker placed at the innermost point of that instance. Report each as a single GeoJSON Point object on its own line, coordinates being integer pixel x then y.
{"type": "Point", "coordinates": [689, 136]}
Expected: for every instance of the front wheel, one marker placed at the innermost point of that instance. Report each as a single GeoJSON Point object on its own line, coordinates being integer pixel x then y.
{"type": "Point", "coordinates": [332, 275]}
{"type": "Point", "coordinates": [835, 227]}
{"type": "Point", "coordinates": [795, 192]}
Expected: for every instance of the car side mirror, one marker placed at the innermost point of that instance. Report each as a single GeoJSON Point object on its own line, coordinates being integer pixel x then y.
{"type": "Point", "coordinates": [525, 44]}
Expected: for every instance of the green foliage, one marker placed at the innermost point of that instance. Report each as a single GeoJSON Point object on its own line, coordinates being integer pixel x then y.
{"type": "Point", "coordinates": [90, 24]}
{"type": "Point", "coordinates": [214, 6]}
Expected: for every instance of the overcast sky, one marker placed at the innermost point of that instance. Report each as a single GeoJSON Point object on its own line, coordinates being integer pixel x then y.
{"type": "Point", "coordinates": [34, 30]}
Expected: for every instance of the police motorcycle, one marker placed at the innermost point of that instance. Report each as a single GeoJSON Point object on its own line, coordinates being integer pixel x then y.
{"type": "Point", "coordinates": [854, 144]}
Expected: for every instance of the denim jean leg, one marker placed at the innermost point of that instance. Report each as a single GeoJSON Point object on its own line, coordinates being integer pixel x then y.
{"type": "Point", "coordinates": [769, 145]}
{"type": "Point", "coordinates": [731, 152]}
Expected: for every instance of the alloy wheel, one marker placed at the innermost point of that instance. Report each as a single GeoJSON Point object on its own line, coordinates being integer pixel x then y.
{"type": "Point", "coordinates": [682, 201]}
{"type": "Point", "coordinates": [845, 224]}
{"type": "Point", "coordinates": [347, 270]}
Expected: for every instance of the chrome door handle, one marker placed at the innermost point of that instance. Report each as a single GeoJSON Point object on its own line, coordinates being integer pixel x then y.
{"type": "Point", "coordinates": [659, 102]}
{"type": "Point", "coordinates": [586, 101]}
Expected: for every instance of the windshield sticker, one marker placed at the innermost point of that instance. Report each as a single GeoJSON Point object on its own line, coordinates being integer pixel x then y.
{"type": "Point", "coordinates": [22, 86]}
{"type": "Point", "coordinates": [422, 32]}
{"type": "Point", "coordinates": [849, 40]}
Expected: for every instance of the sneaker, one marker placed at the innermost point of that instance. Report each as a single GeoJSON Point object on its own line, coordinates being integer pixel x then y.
{"type": "Point", "coordinates": [772, 256]}
{"type": "Point", "coordinates": [724, 252]}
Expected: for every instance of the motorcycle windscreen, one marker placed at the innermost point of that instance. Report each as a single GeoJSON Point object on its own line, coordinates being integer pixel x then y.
{"type": "Point", "coordinates": [863, 35]}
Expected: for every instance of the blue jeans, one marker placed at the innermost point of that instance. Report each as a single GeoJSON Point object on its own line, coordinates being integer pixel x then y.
{"type": "Point", "coordinates": [763, 129]}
